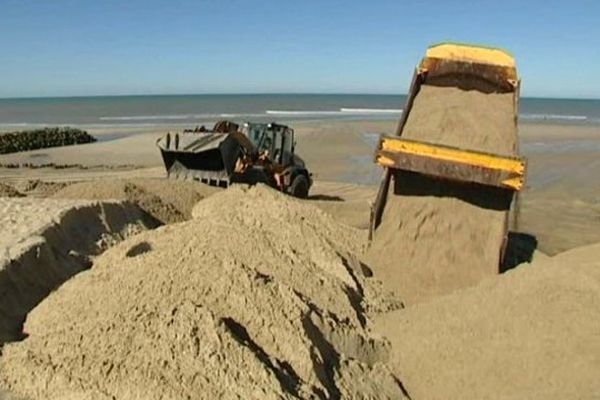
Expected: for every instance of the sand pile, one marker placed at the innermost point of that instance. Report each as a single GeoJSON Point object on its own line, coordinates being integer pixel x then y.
{"type": "Point", "coordinates": [168, 201]}
{"type": "Point", "coordinates": [45, 242]}
{"type": "Point", "coordinates": [259, 296]}
{"type": "Point", "coordinates": [530, 333]}
{"type": "Point", "coordinates": [438, 236]}
{"type": "Point", "coordinates": [9, 191]}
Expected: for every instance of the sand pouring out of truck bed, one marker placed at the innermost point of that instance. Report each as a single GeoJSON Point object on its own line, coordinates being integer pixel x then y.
{"type": "Point", "coordinates": [436, 237]}
{"type": "Point", "coordinates": [258, 296]}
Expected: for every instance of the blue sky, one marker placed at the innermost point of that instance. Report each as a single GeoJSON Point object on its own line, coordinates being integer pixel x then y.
{"type": "Point", "coordinates": [81, 47]}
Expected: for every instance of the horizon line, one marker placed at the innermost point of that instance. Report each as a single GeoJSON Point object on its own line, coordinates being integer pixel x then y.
{"type": "Point", "coordinates": [254, 94]}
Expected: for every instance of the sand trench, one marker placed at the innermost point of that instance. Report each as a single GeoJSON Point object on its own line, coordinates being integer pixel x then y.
{"type": "Point", "coordinates": [39, 255]}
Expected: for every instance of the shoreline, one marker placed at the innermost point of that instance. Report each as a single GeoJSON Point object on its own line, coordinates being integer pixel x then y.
{"type": "Point", "coordinates": [335, 150]}
{"type": "Point", "coordinates": [124, 129]}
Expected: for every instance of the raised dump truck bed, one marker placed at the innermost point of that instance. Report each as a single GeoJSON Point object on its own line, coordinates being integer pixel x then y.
{"type": "Point", "coordinates": [465, 67]}
{"type": "Point", "coordinates": [441, 217]}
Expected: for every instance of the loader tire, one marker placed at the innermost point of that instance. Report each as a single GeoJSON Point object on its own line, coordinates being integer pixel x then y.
{"type": "Point", "coordinates": [299, 187]}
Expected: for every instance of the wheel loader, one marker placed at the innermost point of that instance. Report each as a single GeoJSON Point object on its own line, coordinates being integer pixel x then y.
{"type": "Point", "coordinates": [227, 153]}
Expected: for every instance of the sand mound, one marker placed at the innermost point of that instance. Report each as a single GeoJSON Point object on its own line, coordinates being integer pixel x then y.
{"type": "Point", "coordinates": [167, 201]}
{"type": "Point", "coordinates": [437, 236]}
{"type": "Point", "coordinates": [9, 191]}
{"type": "Point", "coordinates": [250, 299]}
{"type": "Point", "coordinates": [45, 242]}
{"type": "Point", "coordinates": [531, 333]}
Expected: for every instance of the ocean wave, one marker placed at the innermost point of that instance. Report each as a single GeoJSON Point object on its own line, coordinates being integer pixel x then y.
{"type": "Point", "coordinates": [241, 115]}
{"type": "Point", "coordinates": [341, 111]}
{"type": "Point", "coordinates": [183, 117]}
{"type": "Point", "coordinates": [553, 117]}
{"type": "Point", "coordinates": [17, 124]}
{"type": "Point", "coordinates": [371, 110]}
{"type": "Point", "coordinates": [158, 117]}
{"type": "Point", "coordinates": [302, 112]}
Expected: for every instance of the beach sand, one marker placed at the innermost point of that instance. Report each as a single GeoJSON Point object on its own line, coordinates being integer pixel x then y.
{"type": "Point", "coordinates": [536, 327]}
{"type": "Point", "coordinates": [530, 333]}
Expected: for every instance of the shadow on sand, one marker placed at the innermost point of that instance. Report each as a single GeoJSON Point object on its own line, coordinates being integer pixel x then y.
{"type": "Point", "coordinates": [519, 250]}
{"type": "Point", "coordinates": [324, 197]}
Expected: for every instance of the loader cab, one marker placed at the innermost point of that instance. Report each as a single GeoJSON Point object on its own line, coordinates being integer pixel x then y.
{"type": "Point", "coordinates": [283, 144]}
{"type": "Point", "coordinates": [287, 147]}
{"type": "Point", "coordinates": [277, 139]}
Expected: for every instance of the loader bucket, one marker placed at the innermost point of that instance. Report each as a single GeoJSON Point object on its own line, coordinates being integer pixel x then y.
{"type": "Point", "coordinates": [206, 157]}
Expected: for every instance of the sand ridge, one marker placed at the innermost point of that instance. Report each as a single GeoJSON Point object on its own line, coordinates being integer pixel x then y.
{"type": "Point", "coordinates": [9, 191]}
{"type": "Point", "coordinates": [167, 201]}
{"type": "Point", "coordinates": [40, 188]}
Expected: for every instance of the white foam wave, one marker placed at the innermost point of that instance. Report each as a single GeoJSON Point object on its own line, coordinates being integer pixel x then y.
{"type": "Point", "coordinates": [8, 124]}
{"type": "Point", "coordinates": [302, 112]}
{"type": "Point", "coordinates": [371, 110]}
{"type": "Point", "coordinates": [241, 115]}
{"type": "Point", "coordinates": [183, 117]}
{"type": "Point", "coordinates": [554, 117]}
{"type": "Point", "coordinates": [158, 117]}
{"type": "Point", "coordinates": [341, 111]}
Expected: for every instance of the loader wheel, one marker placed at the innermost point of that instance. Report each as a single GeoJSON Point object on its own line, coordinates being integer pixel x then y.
{"type": "Point", "coordinates": [299, 187]}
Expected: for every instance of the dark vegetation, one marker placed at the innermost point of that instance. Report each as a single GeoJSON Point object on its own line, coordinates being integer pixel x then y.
{"type": "Point", "coordinates": [12, 142]}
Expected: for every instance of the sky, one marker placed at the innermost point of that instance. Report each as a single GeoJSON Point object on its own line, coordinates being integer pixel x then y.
{"type": "Point", "coordinates": [109, 47]}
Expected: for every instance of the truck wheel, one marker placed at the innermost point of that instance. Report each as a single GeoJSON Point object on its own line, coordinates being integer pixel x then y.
{"type": "Point", "coordinates": [299, 187]}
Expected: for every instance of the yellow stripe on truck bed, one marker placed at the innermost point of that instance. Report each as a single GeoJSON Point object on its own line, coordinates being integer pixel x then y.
{"type": "Point", "coordinates": [451, 162]}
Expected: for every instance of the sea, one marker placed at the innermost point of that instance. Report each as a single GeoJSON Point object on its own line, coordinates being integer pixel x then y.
{"type": "Point", "coordinates": [191, 110]}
